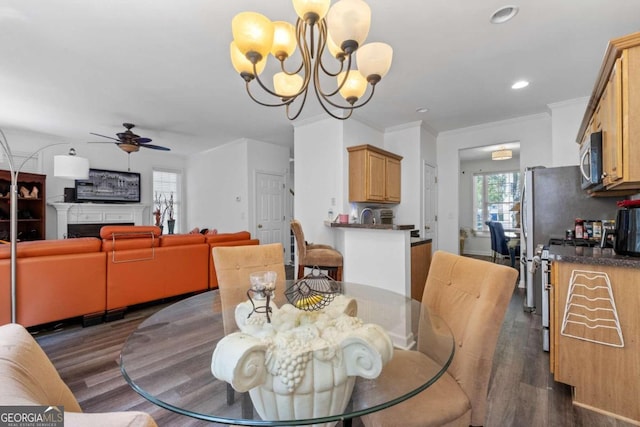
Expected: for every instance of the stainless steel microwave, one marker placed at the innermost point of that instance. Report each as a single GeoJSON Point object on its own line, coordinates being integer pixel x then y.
{"type": "Point", "coordinates": [591, 161]}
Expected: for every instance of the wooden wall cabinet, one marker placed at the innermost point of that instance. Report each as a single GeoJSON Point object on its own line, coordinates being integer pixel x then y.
{"type": "Point", "coordinates": [614, 108]}
{"type": "Point", "coordinates": [31, 209]}
{"type": "Point", "coordinates": [590, 355]}
{"type": "Point", "coordinates": [374, 175]}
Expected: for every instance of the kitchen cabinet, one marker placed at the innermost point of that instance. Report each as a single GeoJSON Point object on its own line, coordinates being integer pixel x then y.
{"type": "Point", "coordinates": [595, 322]}
{"type": "Point", "coordinates": [374, 175]}
{"type": "Point", "coordinates": [31, 206]}
{"type": "Point", "coordinates": [614, 108]}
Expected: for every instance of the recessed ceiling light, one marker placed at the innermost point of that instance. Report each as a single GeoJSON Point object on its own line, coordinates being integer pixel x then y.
{"type": "Point", "coordinates": [520, 84]}
{"type": "Point", "coordinates": [504, 14]}
{"type": "Point", "coordinates": [422, 110]}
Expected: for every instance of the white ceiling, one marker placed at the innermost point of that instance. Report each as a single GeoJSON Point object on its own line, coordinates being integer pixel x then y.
{"type": "Point", "coordinates": [70, 67]}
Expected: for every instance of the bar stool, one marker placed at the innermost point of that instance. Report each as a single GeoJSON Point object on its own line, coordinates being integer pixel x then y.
{"type": "Point", "coordinates": [310, 255]}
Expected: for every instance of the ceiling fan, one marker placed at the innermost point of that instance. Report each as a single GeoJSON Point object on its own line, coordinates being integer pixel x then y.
{"type": "Point", "coordinates": [129, 141]}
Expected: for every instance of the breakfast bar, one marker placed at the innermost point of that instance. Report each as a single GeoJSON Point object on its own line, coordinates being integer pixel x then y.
{"type": "Point", "coordinates": [376, 254]}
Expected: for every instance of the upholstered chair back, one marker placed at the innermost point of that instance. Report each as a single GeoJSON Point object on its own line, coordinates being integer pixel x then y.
{"type": "Point", "coordinates": [472, 297]}
{"type": "Point", "coordinates": [234, 264]}
{"type": "Point", "coordinates": [301, 244]}
{"type": "Point", "coordinates": [29, 378]}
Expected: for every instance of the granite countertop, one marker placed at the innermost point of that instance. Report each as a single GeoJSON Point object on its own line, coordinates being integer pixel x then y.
{"type": "Point", "coordinates": [593, 256]}
{"type": "Point", "coordinates": [415, 241]}
{"type": "Point", "coordinates": [371, 226]}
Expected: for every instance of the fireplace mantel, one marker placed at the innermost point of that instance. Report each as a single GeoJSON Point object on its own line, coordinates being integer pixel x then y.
{"type": "Point", "coordinates": [98, 213]}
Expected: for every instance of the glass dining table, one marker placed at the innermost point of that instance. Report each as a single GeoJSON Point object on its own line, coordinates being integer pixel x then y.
{"type": "Point", "coordinates": [168, 358]}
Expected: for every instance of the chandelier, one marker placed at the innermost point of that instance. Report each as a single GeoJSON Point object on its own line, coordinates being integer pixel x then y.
{"type": "Point", "coordinates": [340, 30]}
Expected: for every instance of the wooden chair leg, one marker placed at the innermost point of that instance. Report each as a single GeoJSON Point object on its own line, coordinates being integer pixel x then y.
{"type": "Point", "coordinates": [339, 274]}
{"type": "Point", "coordinates": [300, 271]}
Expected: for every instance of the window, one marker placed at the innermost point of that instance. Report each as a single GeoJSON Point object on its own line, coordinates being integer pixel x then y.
{"type": "Point", "coordinates": [166, 186]}
{"type": "Point", "coordinates": [495, 194]}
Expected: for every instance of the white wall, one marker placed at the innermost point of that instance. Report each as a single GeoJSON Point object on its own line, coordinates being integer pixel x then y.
{"type": "Point", "coordinates": [405, 141]}
{"type": "Point", "coordinates": [218, 188]}
{"type": "Point", "coordinates": [320, 176]}
{"type": "Point", "coordinates": [566, 117]}
{"type": "Point", "coordinates": [221, 188]}
{"type": "Point", "coordinates": [534, 134]}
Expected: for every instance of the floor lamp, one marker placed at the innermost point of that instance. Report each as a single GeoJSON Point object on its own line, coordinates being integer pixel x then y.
{"type": "Point", "coordinates": [69, 166]}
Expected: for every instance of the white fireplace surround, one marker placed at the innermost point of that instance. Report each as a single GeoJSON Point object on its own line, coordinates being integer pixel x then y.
{"type": "Point", "coordinates": [98, 213]}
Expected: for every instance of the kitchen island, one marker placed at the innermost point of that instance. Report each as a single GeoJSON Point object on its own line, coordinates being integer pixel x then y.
{"type": "Point", "coordinates": [385, 256]}
{"type": "Point", "coordinates": [595, 328]}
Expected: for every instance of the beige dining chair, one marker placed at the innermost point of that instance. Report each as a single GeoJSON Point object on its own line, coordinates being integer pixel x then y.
{"type": "Point", "coordinates": [311, 255]}
{"type": "Point", "coordinates": [471, 296]}
{"type": "Point", "coordinates": [234, 264]}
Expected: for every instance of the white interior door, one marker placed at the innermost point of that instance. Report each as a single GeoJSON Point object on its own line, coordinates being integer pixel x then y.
{"type": "Point", "coordinates": [270, 217]}
{"type": "Point", "coordinates": [430, 208]}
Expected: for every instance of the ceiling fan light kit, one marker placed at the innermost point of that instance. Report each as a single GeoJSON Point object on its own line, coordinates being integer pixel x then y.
{"type": "Point", "coordinates": [340, 29]}
{"type": "Point", "coordinates": [129, 142]}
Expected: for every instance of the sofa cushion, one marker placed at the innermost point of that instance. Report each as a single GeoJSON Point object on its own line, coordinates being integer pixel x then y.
{"type": "Point", "coordinates": [125, 237]}
{"type": "Point", "coordinates": [38, 248]}
{"type": "Point", "coordinates": [228, 237]}
{"type": "Point", "coordinates": [181, 239]}
{"type": "Point", "coordinates": [107, 231]}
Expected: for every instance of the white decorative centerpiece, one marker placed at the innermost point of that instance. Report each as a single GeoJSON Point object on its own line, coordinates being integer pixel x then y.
{"type": "Point", "coordinates": [302, 364]}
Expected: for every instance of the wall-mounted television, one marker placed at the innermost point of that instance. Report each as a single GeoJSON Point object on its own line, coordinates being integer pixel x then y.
{"type": "Point", "coordinates": [107, 186]}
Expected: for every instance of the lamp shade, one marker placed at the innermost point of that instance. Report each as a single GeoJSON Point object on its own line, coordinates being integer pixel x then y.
{"type": "Point", "coordinates": [284, 40]}
{"type": "Point", "coordinates": [72, 167]}
{"type": "Point", "coordinates": [354, 87]}
{"type": "Point", "coordinates": [334, 49]}
{"type": "Point", "coordinates": [241, 63]}
{"type": "Point", "coordinates": [252, 32]}
{"type": "Point", "coordinates": [374, 59]}
{"type": "Point", "coordinates": [349, 20]}
{"type": "Point", "coordinates": [317, 7]}
{"type": "Point", "coordinates": [287, 85]}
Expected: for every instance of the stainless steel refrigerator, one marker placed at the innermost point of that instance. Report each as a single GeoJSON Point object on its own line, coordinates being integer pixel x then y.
{"type": "Point", "coordinates": [551, 200]}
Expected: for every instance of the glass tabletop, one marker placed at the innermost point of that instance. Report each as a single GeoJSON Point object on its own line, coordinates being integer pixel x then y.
{"type": "Point", "coordinates": [168, 358]}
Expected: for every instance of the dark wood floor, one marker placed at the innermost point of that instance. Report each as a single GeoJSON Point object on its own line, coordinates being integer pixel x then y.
{"type": "Point", "coordinates": [522, 392]}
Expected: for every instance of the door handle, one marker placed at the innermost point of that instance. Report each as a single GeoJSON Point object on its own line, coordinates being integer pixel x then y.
{"type": "Point", "coordinates": [259, 225]}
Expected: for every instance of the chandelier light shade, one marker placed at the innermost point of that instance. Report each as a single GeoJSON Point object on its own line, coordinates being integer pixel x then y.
{"type": "Point", "coordinates": [374, 59]}
{"type": "Point", "coordinates": [322, 49]}
{"type": "Point", "coordinates": [310, 8]}
{"type": "Point", "coordinates": [71, 166]}
{"type": "Point", "coordinates": [349, 22]}
{"type": "Point", "coordinates": [502, 154]}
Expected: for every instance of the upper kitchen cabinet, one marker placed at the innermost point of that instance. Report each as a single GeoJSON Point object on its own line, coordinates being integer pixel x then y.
{"type": "Point", "coordinates": [374, 175]}
{"type": "Point", "coordinates": [614, 108]}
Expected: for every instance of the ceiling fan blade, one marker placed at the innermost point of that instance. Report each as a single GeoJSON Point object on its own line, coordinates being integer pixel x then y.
{"type": "Point", "coordinates": [104, 136]}
{"type": "Point", "coordinates": [142, 140]}
{"type": "Point", "coordinates": [155, 147]}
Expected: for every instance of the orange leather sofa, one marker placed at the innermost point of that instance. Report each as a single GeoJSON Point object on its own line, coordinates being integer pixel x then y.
{"type": "Point", "coordinates": [61, 279]}
{"type": "Point", "coordinates": [241, 238]}
{"type": "Point", "coordinates": [55, 280]}
{"type": "Point", "coordinates": [144, 266]}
